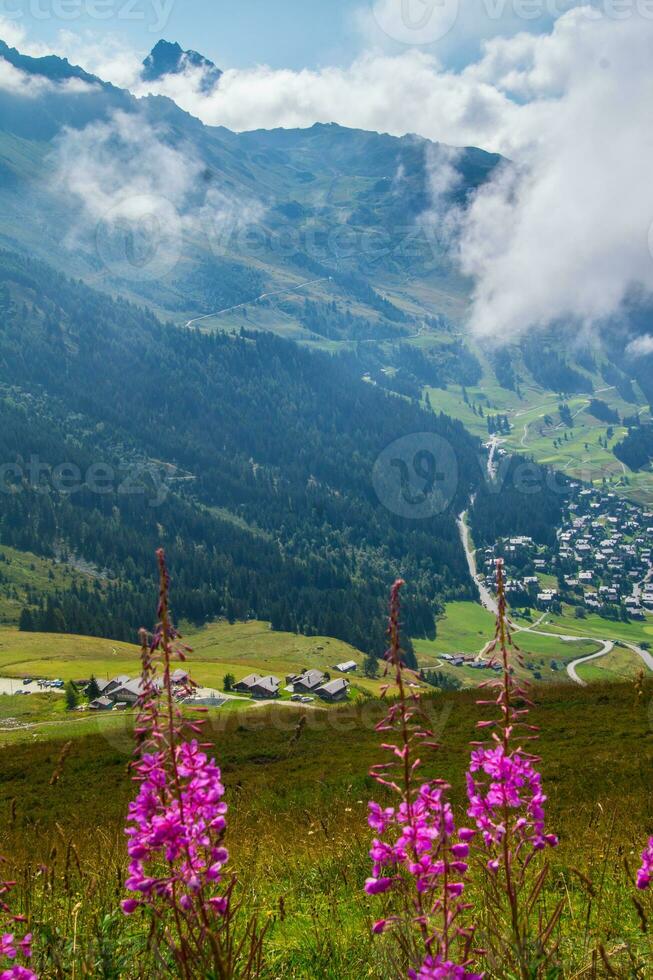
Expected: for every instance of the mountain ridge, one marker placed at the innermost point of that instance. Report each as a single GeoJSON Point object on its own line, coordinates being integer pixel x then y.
{"type": "Point", "coordinates": [169, 58]}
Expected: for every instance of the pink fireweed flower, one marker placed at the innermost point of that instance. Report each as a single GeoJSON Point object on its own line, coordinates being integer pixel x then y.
{"type": "Point", "coordinates": [507, 803]}
{"type": "Point", "coordinates": [504, 788]}
{"type": "Point", "coordinates": [512, 785]}
{"type": "Point", "coordinates": [437, 969]}
{"type": "Point", "coordinates": [417, 852]}
{"type": "Point", "coordinates": [180, 823]}
{"type": "Point", "coordinates": [12, 947]}
{"type": "Point", "coordinates": [645, 873]}
{"type": "Point", "coordinates": [177, 821]}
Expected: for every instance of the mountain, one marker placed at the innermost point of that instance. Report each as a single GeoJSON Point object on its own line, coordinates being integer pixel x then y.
{"type": "Point", "coordinates": [50, 67]}
{"type": "Point", "coordinates": [248, 457]}
{"type": "Point", "coordinates": [168, 58]}
{"type": "Point", "coordinates": [123, 214]}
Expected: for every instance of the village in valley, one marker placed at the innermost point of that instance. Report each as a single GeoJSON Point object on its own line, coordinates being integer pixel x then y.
{"type": "Point", "coordinates": [601, 561]}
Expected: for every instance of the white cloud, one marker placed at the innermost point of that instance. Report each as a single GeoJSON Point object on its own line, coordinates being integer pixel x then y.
{"type": "Point", "coordinates": [108, 57]}
{"type": "Point", "coordinates": [12, 33]}
{"type": "Point", "coordinates": [641, 346]}
{"type": "Point", "coordinates": [142, 196]}
{"type": "Point", "coordinates": [563, 236]}
{"type": "Point", "coordinates": [106, 164]}
{"type": "Point", "coordinates": [22, 83]}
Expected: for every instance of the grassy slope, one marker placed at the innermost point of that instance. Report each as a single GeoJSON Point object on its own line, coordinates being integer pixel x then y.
{"type": "Point", "coordinates": [20, 570]}
{"type": "Point", "coordinates": [466, 628]}
{"type": "Point", "coordinates": [218, 649]}
{"type": "Point", "coordinates": [297, 827]}
{"type": "Point", "coordinates": [242, 648]}
{"type": "Point", "coordinates": [530, 435]}
{"type": "Point", "coordinates": [595, 626]}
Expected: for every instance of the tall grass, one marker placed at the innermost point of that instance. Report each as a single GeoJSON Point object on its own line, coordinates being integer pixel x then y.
{"type": "Point", "coordinates": [298, 792]}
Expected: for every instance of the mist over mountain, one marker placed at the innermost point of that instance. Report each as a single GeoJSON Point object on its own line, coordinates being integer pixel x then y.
{"type": "Point", "coordinates": [340, 240]}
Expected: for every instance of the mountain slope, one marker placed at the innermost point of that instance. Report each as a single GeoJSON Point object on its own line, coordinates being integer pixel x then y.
{"type": "Point", "coordinates": [248, 457]}
{"type": "Point", "coordinates": [168, 58]}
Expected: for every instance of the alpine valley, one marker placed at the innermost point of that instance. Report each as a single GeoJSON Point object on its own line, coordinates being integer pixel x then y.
{"type": "Point", "coordinates": [222, 332]}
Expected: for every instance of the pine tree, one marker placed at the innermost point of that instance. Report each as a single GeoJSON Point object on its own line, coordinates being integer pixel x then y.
{"type": "Point", "coordinates": [26, 621]}
{"type": "Point", "coordinates": [72, 696]}
{"type": "Point", "coordinates": [93, 690]}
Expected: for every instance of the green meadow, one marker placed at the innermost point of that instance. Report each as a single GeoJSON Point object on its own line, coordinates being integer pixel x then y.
{"type": "Point", "coordinates": [298, 835]}
{"type": "Point", "coordinates": [535, 421]}
{"type": "Point", "coordinates": [466, 627]}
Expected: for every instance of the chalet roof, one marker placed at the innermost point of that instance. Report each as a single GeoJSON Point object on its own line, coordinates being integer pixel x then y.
{"type": "Point", "coordinates": [101, 702]}
{"type": "Point", "coordinates": [333, 687]}
{"type": "Point", "coordinates": [311, 678]}
{"type": "Point", "coordinates": [113, 683]}
{"type": "Point", "coordinates": [268, 683]}
{"type": "Point", "coordinates": [250, 680]}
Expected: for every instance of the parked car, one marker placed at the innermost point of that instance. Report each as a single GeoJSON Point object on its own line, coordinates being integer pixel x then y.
{"type": "Point", "coordinates": [307, 700]}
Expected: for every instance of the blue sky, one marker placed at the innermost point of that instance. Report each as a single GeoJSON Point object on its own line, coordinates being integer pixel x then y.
{"type": "Point", "coordinates": [281, 33]}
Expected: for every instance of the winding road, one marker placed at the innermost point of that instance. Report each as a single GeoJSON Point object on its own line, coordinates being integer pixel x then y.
{"type": "Point", "coordinates": [489, 602]}
{"type": "Point", "coordinates": [250, 302]}
{"type": "Point", "coordinates": [571, 668]}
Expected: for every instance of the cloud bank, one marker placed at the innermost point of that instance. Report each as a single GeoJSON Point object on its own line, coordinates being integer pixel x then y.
{"type": "Point", "coordinates": [563, 234]}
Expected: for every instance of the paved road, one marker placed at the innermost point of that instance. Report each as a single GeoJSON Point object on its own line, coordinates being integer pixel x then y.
{"type": "Point", "coordinates": [486, 597]}
{"type": "Point", "coordinates": [489, 602]}
{"type": "Point", "coordinates": [644, 654]}
{"type": "Point", "coordinates": [571, 668]}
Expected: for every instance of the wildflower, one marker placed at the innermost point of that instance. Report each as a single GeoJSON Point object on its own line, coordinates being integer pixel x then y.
{"type": "Point", "coordinates": [416, 851]}
{"type": "Point", "coordinates": [514, 785]}
{"type": "Point", "coordinates": [437, 969]}
{"type": "Point", "coordinates": [18, 972]}
{"type": "Point", "coordinates": [645, 873]}
{"type": "Point", "coordinates": [507, 804]}
{"type": "Point", "coordinates": [179, 817]}
{"type": "Point", "coordinates": [177, 822]}
{"type": "Point", "coordinates": [11, 947]}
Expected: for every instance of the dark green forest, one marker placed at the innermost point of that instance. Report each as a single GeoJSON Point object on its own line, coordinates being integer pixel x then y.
{"type": "Point", "coordinates": [247, 456]}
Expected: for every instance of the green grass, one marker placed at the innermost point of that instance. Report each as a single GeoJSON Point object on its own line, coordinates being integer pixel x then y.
{"type": "Point", "coordinates": [21, 572]}
{"type": "Point", "coordinates": [219, 648]}
{"type": "Point", "coordinates": [580, 456]}
{"type": "Point", "coordinates": [637, 631]}
{"type": "Point", "coordinates": [619, 665]}
{"type": "Point", "coordinates": [299, 838]}
{"type": "Point", "coordinates": [466, 628]}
